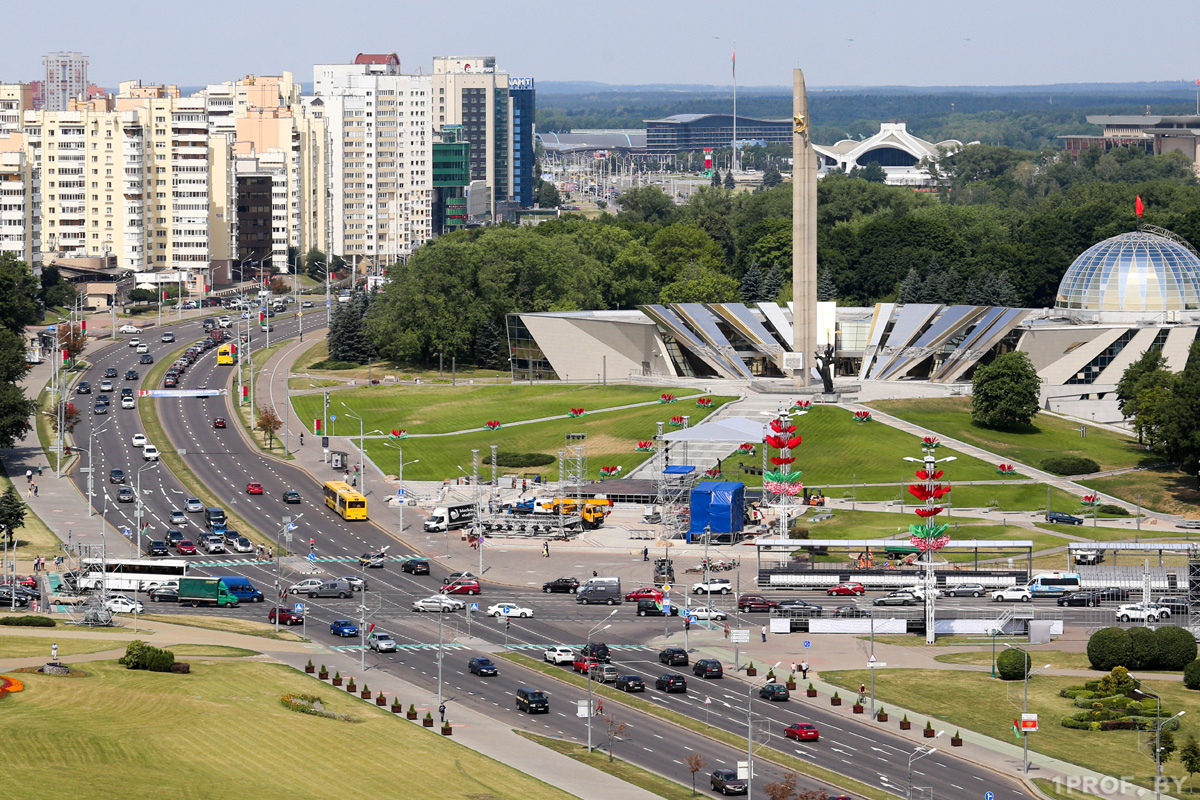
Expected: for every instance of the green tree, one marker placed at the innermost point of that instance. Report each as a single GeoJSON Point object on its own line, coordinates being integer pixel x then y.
{"type": "Point", "coordinates": [12, 513]}
{"type": "Point", "coordinates": [771, 177]}
{"type": "Point", "coordinates": [699, 284]}
{"type": "Point", "coordinates": [490, 346]}
{"type": "Point", "coordinates": [730, 183]}
{"type": "Point", "coordinates": [772, 284]}
{"type": "Point", "coordinates": [1180, 433]}
{"type": "Point", "coordinates": [716, 179]}
{"type": "Point", "coordinates": [20, 290]}
{"type": "Point", "coordinates": [871, 173]}
{"type": "Point", "coordinates": [1012, 665]}
{"type": "Point", "coordinates": [1166, 746]}
{"type": "Point", "coordinates": [1005, 393]}
{"type": "Point", "coordinates": [676, 246]}
{"type": "Point", "coordinates": [15, 412]}
{"type": "Point", "coordinates": [547, 195]}
{"type": "Point", "coordinates": [752, 284]}
{"type": "Point", "coordinates": [142, 296]}
{"type": "Point", "coordinates": [56, 292]}
{"type": "Point", "coordinates": [1189, 757]}
{"type": "Point", "coordinates": [647, 204]}
{"type": "Point", "coordinates": [1149, 370]}
{"type": "Point", "coordinates": [1143, 652]}
{"type": "Point", "coordinates": [1150, 414]}
{"type": "Point", "coordinates": [826, 288]}
{"type": "Point", "coordinates": [911, 287]}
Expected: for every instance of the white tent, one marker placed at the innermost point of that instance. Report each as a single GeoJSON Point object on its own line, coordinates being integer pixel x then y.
{"type": "Point", "coordinates": [730, 429]}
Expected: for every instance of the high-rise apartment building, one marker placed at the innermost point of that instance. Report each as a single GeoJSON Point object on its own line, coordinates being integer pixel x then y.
{"type": "Point", "coordinates": [20, 218]}
{"type": "Point", "coordinates": [468, 91]}
{"type": "Point", "coordinates": [66, 79]}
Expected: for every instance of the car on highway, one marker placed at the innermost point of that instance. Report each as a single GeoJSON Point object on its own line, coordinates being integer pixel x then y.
{"type": "Point", "coordinates": [131, 375]}
{"type": "Point", "coordinates": [1113, 593]}
{"type": "Point", "coordinates": [286, 616]}
{"type": "Point", "coordinates": [305, 586]}
{"type": "Point", "coordinates": [673, 656]}
{"type": "Point", "coordinates": [851, 611]}
{"type": "Point", "coordinates": [713, 586]}
{"type": "Point", "coordinates": [254, 487]}
{"type": "Point", "coordinates": [307, 304]}
{"type": "Point", "coordinates": [127, 402]}
{"type": "Point", "coordinates": [644, 593]}
{"type": "Point", "coordinates": [142, 348]}
{"type": "Point", "coordinates": [802, 732]}
{"type": "Point", "coordinates": [242, 545]}
{"type": "Point", "coordinates": [125, 495]}
{"type": "Point", "coordinates": [133, 342]}
{"type": "Point", "coordinates": [146, 358]}
{"type": "Point", "coordinates": [966, 590]}
{"type": "Point", "coordinates": [671, 682]}
{"type": "Point", "coordinates": [123, 605]}
{"type": "Point", "coordinates": [343, 627]}
{"type": "Point", "coordinates": [434, 603]}
{"type": "Point", "coordinates": [558, 654]}
{"type": "Point", "coordinates": [467, 586]}
{"type": "Point", "coordinates": [213, 543]}
{"type": "Point", "coordinates": [1188, 523]}
{"type": "Point", "coordinates": [900, 597]}
{"type": "Point", "coordinates": [382, 642]}
{"type": "Point", "coordinates": [178, 517]}
{"type": "Point", "coordinates": [170, 382]}
{"type": "Point", "coordinates": [598, 651]}
{"type": "Point", "coordinates": [356, 583]}
{"type": "Point", "coordinates": [482, 666]}
{"type": "Point", "coordinates": [168, 337]}
{"type": "Point", "coordinates": [1089, 599]}
{"type": "Point", "coordinates": [800, 607]}
{"type": "Point", "coordinates": [755, 602]}
{"type": "Point", "coordinates": [774, 692]}
{"type": "Point", "coordinates": [1012, 594]}
{"type": "Point", "coordinates": [193, 505]}
{"type": "Point", "coordinates": [185, 547]}
{"type": "Point", "coordinates": [708, 668]}
{"type": "Point", "coordinates": [150, 452]}
{"type": "Point", "coordinates": [653, 608]}
{"type": "Point", "coordinates": [509, 610]}
{"type": "Point", "coordinates": [561, 585]}
{"type": "Point", "coordinates": [708, 612]}
{"type": "Point", "coordinates": [100, 408]}
{"type": "Point", "coordinates": [415, 566]}
{"type": "Point", "coordinates": [582, 663]}
{"type": "Point", "coordinates": [532, 701]}
{"type": "Point", "coordinates": [83, 388]}
{"type": "Point", "coordinates": [375, 559]}
{"type": "Point", "coordinates": [219, 422]}
{"type": "Point", "coordinates": [603, 673]}
{"type": "Point", "coordinates": [1141, 612]}
{"type": "Point", "coordinates": [174, 536]}
{"type": "Point", "coordinates": [106, 385]}
{"type": "Point", "coordinates": [165, 594]}
{"type": "Point", "coordinates": [291, 497]}
{"type": "Point", "coordinates": [852, 589]}
{"type": "Point", "coordinates": [726, 781]}
{"type": "Point", "coordinates": [630, 683]}
{"type": "Point", "coordinates": [116, 476]}
{"type": "Point", "coordinates": [1063, 519]}
{"type": "Point", "coordinates": [110, 372]}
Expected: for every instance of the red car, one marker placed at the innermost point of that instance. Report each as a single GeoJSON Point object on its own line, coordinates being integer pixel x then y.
{"type": "Point", "coordinates": [185, 547]}
{"type": "Point", "coordinates": [28, 581]}
{"type": "Point", "coordinates": [286, 616]}
{"type": "Point", "coordinates": [645, 593]}
{"type": "Point", "coordinates": [755, 602]}
{"type": "Point", "coordinates": [852, 589]}
{"type": "Point", "coordinates": [802, 732]}
{"type": "Point", "coordinates": [219, 422]}
{"type": "Point", "coordinates": [461, 586]}
{"type": "Point", "coordinates": [254, 488]}
{"type": "Point", "coordinates": [583, 663]}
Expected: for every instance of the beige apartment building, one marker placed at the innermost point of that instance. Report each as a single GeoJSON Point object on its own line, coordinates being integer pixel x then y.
{"type": "Point", "coordinates": [20, 225]}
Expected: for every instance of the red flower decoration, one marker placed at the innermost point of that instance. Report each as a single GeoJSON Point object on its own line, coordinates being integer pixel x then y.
{"type": "Point", "coordinates": [778, 426]}
{"type": "Point", "coordinates": [924, 475]}
{"type": "Point", "coordinates": [929, 512]}
{"type": "Point", "coordinates": [493, 424]}
{"type": "Point", "coordinates": [777, 461]}
{"type": "Point", "coordinates": [920, 492]}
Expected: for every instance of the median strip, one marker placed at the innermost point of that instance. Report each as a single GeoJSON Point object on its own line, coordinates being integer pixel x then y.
{"type": "Point", "coordinates": [682, 720]}
{"type": "Point", "coordinates": [623, 770]}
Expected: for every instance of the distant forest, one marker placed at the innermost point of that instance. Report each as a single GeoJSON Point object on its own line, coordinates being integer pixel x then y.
{"type": "Point", "coordinates": [1025, 119]}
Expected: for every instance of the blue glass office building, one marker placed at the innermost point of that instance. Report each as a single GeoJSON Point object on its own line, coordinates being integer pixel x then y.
{"type": "Point", "coordinates": [524, 106]}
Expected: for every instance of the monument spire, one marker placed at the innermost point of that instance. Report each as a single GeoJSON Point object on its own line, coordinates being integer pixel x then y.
{"type": "Point", "coordinates": [804, 235]}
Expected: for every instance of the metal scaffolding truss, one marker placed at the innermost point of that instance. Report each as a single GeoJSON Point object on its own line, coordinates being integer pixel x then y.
{"type": "Point", "coordinates": [88, 562]}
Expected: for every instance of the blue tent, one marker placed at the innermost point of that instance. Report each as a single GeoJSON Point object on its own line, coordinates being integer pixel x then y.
{"type": "Point", "coordinates": [719, 506]}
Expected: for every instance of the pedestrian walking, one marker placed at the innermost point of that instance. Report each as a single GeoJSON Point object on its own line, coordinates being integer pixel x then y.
{"type": "Point", "coordinates": [39, 470]}
{"type": "Point", "coordinates": [793, 668]}
{"type": "Point", "coordinates": [524, 486]}
{"type": "Point", "coordinates": [270, 553]}
{"type": "Point", "coordinates": [29, 476]}
{"type": "Point", "coordinates": [764, 633]}
{"type": "Point", "coordinates": [35, 606]}
{"type": "Point", "coordinates": [804, 669]}
{"type": "Point", "coordinates": [302, 440]}
{"type": "Point", "coordinates": [545, 549]}
{"type": "Point", "coordinates": [35, 490]}
{"type": "Point", "coordinates": [442, 712]}
{"type": "Point", "coordinates": [35, 563]}
{"type": "Point", "coordinates": [54, 652]}
{"type": "Point", "coordinates": [29, 491]}
{"type": "Point", "coordinates": [645, 554]}
{"type": "Point", "coordinates": [726, 630]}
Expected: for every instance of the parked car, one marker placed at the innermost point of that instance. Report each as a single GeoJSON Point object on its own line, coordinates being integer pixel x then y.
{"type": "Point", "coordinates": [797, 606]}
{"type": "Point", "coordinates": [726, 781]}
{"type": "Point", "coordinates": [285, 616]}
{"type": "Point", "coordinates": [1115, 593]}
{"type": "Point", "coordinates": [630, 683]}
{"type": "Point", "coordinates": [1140, 612]}
{"type": "Point", "coordinates": [1063, 519]}
{"type": "Point", "coordinates": [755, 602]}
{"type": "Point", "coordinates": [1188, 523]}
{"type": "Point", "coordinates": [851, 611]}
{"type": "Point", "coordinates": [1176, 605]}
{"type": "Point", "coordinates": [673, 656]}
{"type": "Point", "coordinates": [708, 668]}
{"type": "Point", "coordinates": [123, 605]}
{"type": "Point", "coordinates": [802, 732]}
{"type": "Point", "coordinates": [1012, 594]}
{"type": "Point", "coordinates": [966, 590]}
{"type": "Point", "coordinates": [509, 610]}
{"type": "Point", "coordinates": [567, 585]}
{"type": "Point", "coordinates": [671, 682]}
{"type": "Point", "coordinates": [846, 589]}
{"type": "Point", "coordinates": [1089, 599]}
{"type": "Point", "coordinates": [482, 666]}
{"type": "Point", "coordinates": [382, 642]}
{"type": "Point", "coordinates": [900, 597]}
{"type": "Point", "coordinates": [713, 586]}
{"type": "Point", "coordinates": [644, 593]}
{"type": "Point", "coordinates": [343, 627]}
{"type": "Point", "coordinates": [558, 655]}
{"type": "Point", "coordinates": [774, 691]}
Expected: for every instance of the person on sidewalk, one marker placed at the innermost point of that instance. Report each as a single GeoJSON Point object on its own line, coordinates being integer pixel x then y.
{"type": "Point", "coordinates": [35, 490]}
{"type": "Point", "coordinates": [442, 712]}
{"type": "Point", "coordinates": [764, 633]}
{"type": "Point", "coordinates": [645, 554]}
{"type": "Point", "coordinates": [302, 440]}
{"type": "Point", "coordinates": [804, 669]}
{"type": "Point", "coordinates": [39, 470]}
{"type": "Point", "coordinates": [28, 476]}
{"type": "Point", "coordinates": [545, 549]}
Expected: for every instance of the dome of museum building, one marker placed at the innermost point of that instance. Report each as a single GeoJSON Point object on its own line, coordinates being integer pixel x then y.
{"type": "Point", "coordinates": [1135, 271]}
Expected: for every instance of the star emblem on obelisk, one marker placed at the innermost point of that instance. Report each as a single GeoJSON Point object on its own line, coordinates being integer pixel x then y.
{"type": "Point", "coordinates": [799, 123]}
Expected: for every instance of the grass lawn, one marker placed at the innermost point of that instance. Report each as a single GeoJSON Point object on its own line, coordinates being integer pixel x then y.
{"type": "Point", "coordinates": [1047, 435]}
{"type": "Point", "coordinates": [400, 372]}
{"type": "Point", "coordinates": [915, 640]}
{"type": "Point", "coordinates": [311, 383]}
{"type": "Point", "coordinates": [34, 537]}
{"type": "Point", "coordinates": [612, 439]}
{"type": "Point", "coordinates": [1057, 659]}
{"type": "Point", "coordinates": [29, 646]}
{"type": "Point", "coordinates": [230, 624]}
{"type": "Point", "coordinates": [1167, 490]}
{"type": "Point", "coordinates": [975, 701]}
{"type": "Point", "coordinates": [1060, 792]}
{"type": "Point", "coordinates": [1007, 497]}
{"type": "Point", "coordinates": [883, 524]}
{"type": "Point", "coordinates": [210, 651]}
{"type": "Point", "coordinates": [655, 784]}
{"type": "Point", "coordinates": [140, 730]}
{"type": "Point", "coordinates": [836, 449]}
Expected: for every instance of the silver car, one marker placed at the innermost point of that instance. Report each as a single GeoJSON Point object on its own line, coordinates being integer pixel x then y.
{"type": "Point", "coordinates": [382, 643]}
{"type": "Point", "coordinates": [437, 602]}
{"type": "Point", "coordinates": [193, 505]}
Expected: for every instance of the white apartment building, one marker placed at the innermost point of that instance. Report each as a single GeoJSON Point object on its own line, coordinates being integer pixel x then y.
{"type": "Point", "coordinates": [19, 218]}
{"type": "Point", "coordinates": [65, 79]}
{"type": "Point", "coordinates": [379, 129]}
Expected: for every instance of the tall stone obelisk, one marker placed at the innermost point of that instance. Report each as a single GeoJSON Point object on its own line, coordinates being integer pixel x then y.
{"type": "Point", "coordinates": [804, 234]}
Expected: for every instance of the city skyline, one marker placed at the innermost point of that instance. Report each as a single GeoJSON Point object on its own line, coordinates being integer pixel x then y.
{"type": "Point", "coordinates": [937, 45]}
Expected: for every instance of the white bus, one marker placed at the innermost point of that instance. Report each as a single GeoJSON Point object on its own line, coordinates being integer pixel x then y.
{"type": "Point", "coordinates": [1054, 584]}
{"type": "Point", "coordinates": [132, 574]}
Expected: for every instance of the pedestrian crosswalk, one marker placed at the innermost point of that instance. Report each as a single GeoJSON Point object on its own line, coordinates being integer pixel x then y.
{"type": "Point", "coordinates": [456, 646]}
{"type": "Point", "coordinates": [246, 562]}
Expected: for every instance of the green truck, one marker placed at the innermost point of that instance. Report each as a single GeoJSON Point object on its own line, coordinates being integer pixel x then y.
{"type": "Point", "coordinates": [205, 591]}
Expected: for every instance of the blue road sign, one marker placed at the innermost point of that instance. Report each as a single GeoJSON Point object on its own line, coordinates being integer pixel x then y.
{"type": "Point", "coordinates": [666, 603]}
{"type": "Point", "coordinates": [333, 417]}
{"type": "Point", "coordinates": [692, 618]}
{"type": "Point", "coordinates": [299, 609]}
{"type": "Point", "coordinates": [312, 556]}
{"type": "Point", "coordinates": [126, 532]}
{"type": "Point", "coordinates": [474, 606]}
{"type": "Point", "coordinates": [807, 643]}
{"type": "Point", "coordinates": [400, 492]}
{"type": "Point", "coordinates": [989, 796]}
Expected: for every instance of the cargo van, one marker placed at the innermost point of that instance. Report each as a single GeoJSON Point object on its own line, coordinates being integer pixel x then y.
{"type": "Point", "coordinates": [449, 518]}
{"type": "Point", "coordinates": [241, 588]}
{"type": "Point", "coordinates": [532, 701]}
{"type": "Point", "coordinates": [592, 593]}
{"type": "Point", "coordinates": [335, 588]}
{"type": "Point", "coordinates": [214, 517]}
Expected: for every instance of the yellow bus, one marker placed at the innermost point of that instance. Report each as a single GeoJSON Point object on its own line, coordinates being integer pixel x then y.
{"type": "Point", "coordinates": [345, 500]}
{"type": "Point", "coordinates": [227, 354]}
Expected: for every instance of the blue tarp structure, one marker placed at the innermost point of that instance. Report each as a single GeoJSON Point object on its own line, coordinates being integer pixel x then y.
{"type": "Point", "coordinates": [718, 506]}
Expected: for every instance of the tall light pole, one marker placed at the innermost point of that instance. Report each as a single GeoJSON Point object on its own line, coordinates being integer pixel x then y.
{"type": "Point", "coordinates": [750, 730]}
{"type": "Point", "coordinates": [606, 625]}
{"type": "Point", "coordinates": [1028, 672]}
{"type": "Point", "coordinates": [362, 472]}
{"type": "Point", "coordinates": [917, 755]}
{"type": "Point", "coordinates": [289, 524]}
{"type": "Point", "coordinates": [135, 541]}
{"type": "Point", "coordinates": [91, 466]}
{"type": "Point", "coordinates": [401, 463]}
{"type": "Point", "coordinates": [1159, 724]}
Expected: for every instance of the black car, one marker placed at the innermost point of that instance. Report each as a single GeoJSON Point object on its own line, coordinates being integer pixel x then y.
{"type": "Point", "coordinates": [726, 781]}
{"type": "Point", "coordinates": [6, 597]}
{"type": "Point", "coordinates": [415, 566]}
{"type": "Point", "coordinates": [292, 496]}
{"type": "Point", "coordinates": [173, 537]}
{"type": "Point", "coordinates": [83, 388]}
{"type": "Point", "coordinates": [774, 691]}
{"type": "Point", "coordinates": [482, 666]}
{"type": "Point", "coordinates": [22, 591]}
{"type": "Point", "coordinates": [630, 683]}
{"type": "Point", "coordinates": [1113, 593]}
{"type": "Point", "coordinates": [851, 611]}
{"type": "Point", "coordinates": [598, 651]}
{"type": "Point", "coordinates": [651, 608]}
{"type": "Point", "coordinates": [673, 657]}
{"type": "Point", "coordinates": [170, 382]}
{"type": "Point", "coordinates": [164, 594]}
{"type": "Point", "coordinates": [116, 476]}
{"type": "Point", "coordinates": [131, 375]}
{"type": "Point", "coordinates": [111, 372]}
{"type": "Point", "coordinates": [1089, 599]}
{"type": "Point", "coordinates": [126, 391]}
{"type": "Point", "coordinates": [708, 668]}
{"type": "Point", "coordinates": [671, 682]}
{"type": "Point", "coordinates": [801, 607]}
{"type": "Point", "coordinates": [101, 408]}
{"type": "Point", "coordinates": [1063, 519]}
{"type": "Point", "coordinates": [146, 359]}
{"type": "Point", "coordinates": [567, 585]}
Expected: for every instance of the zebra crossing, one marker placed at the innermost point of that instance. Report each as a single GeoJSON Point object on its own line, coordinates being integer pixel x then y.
{"type": "Point", "coordinates": [247, 562]}
{"type": "Point", "coordinates": [456, 646]}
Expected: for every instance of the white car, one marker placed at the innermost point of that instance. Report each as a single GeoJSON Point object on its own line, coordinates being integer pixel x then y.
{"type": "Point", "coordinates": [305, 586]}
{"type": "Point", "coordinates": [713, 586]}
{"type": "Point", "coordinates": [509, 610]}
{"type": "Point", "coordinates": [139, 440]}
{"type": "Point", "coordinates": [1012, 594]}
{"type": "Point", "coordinates": [193, 505]}
{"type": "Point", "coordinates": [142, 348]}
{"type": "Point", "coordinates": [708, 612]}
{"type": "Point", "coordinates": [129, 329]}
{"type": "Point", "coordinates": [1141, 612]}
{"type": "Point", "coordinates": [224, 322]}
{"type": "Point", "coordinates": [123, 605]}
{"type": "Point", "coordinates": [242, 545]}
{"type": "Point", "coordinates": [150, 452]}
{"type": "Point", "coordinates": [437, 602]}
{"type": "Point", "coordinates": [919, 590]}
{"type": "Point", "coordinates": [134, 342]}
{"type": "Point", "coordinates": [127, 402]}
{"type": "Point", "coordinates": [178, 517]}
{"type": "Point", "coordinates": [559, 655]}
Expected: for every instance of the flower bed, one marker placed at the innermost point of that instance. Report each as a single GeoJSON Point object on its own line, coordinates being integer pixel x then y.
{"type": "Point", "coordinates": [10, 685]}
{"type": "Point", "coordinates": [311, 704]}
{"type": "Point", "coordinates": [71, 672]}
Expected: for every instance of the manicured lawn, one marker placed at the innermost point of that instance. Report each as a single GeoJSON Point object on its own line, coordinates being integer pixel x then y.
{"type": "Point", "coordinates": [444, 409]}
{"type": "Point", "coordinates": [29, 646]}
{"type": "Point", "coordinates": [247, 416]}
{"type": "Point", "coordinates": [1046, 436]}
{"type": "Point", "coordinates": [230, 624]}
{"type": "Point", "coordinates": [915, 640]}
{"type": "Point", "coordinates": [612, 439]}
{"type": "Point", "coordinates": [1061, 792]}
{"type": "Point", "coordinates": [836, 449]}
{"type": "Point", "coordinates": [975, 701]}
{"type": "Point", "coordinates": [1057, 659]}
{"type": "Point", "coordinates": [1004, 496]}
{"type": "Point", "coordinates": [403, 372]}
{"type": "Point", "coordinates": [140, 731]}
{"type": "Point", "coordinates": [210, 650]}
{"type": "Point", "coordinates": [1166, 490]}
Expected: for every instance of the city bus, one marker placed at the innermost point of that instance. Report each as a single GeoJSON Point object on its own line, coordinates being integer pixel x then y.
{"type": "Point", "coordinates": [1054, 584]}
{"type": "Point", "coordinates": [227, 354]}
{"type": "Point", "coordinates": [345, 500]}
{"type": "Point", "coordinates": [131, 574]}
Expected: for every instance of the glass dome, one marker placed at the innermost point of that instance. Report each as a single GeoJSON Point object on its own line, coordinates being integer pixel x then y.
{"type": "Point", "coordinates": [1136, 271]}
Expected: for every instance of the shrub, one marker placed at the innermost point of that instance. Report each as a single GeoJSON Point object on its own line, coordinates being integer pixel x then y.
{"type": "Point", "coordinates": [136, 654]}
{"type": "Point", "coordinates": [160, 660]}
{"type": "Point", "coordinates": [1143, 650]}
{"type": "Point", "coordinates": [1176, 647]}
{"type": "Point", "coordinates": [1110, 647]}
{"type": "Point", "coordinates": [181, 668]}
{"type": "Point", "coordinates": [1116, 511]}
{"type": "Point", "coordinates": [25, 621]}
{"type": "Point", "coordinates": [1115, 683]}
{"type": "Point", "coordinates": [334, 365]}
{"type": "Point", "coordinates": [1070, 465]}
{"type": "Point", "coordinates": [508, 459]}
{"type": "Point", "coordinates": [1012, 665]}
{"type": "Point", "coordinates": [1191, 676]}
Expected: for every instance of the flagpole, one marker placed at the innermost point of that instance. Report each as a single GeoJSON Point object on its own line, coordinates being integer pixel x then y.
{"type": "Point", "coordinates": [733, 158]}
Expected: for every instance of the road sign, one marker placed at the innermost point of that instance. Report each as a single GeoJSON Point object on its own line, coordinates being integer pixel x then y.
{"type": "Point", "coordinates": [807, 643]}
{"type": "Point", "coordinates": [1029, 723]}
{"type": "Point", "coordinates": [871, 658]}
{"type": "Point", "coordinates": [474, 606]}
{"type": "Point", "coordinates": [126, 532]}
{"type": "Point", "coordinates": [666, 604]}
{"type": "Point", "coordinates": [400, 492]}
{"type": "Point", "coordinates": [333, 417]}
{"type": "Point", "coordinates": [666, 587]}
{"type": "Point", "coordinates": [739, 637]}
{"type": "Point", "coordinates": [298, 609]}
{"type": "Point", "coordinates": [707, 700]}
{"type": "Point", "coordinates": [874, 664]}
{"type": "Point", "coordinates": [989, 796]}
{"type": "Point", "coordinates": [692, 618]}
{"type": "Point", "coordinates": [581, 708]}
{"type": "Point", "coordinates": [312, 556]}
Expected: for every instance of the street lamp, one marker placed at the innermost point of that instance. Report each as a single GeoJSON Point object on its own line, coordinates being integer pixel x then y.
{"type": "Point", "coordinates": [917, 755]}
{"type": "Point", "coordinates": [606, 625]}
{"type": "Point", "coordinates": [750, 730]}
{"type": "Point", "coordinates": [1028, 672]}
{"type": "Point", "coordinates": [362, 472]}
{"type": "Point", "coordinates": [401, 464]}
{"type": "Point", "coordinates": [91, 467]}
{"type": "Point", "coordinates": [136, 539]}
{"type": "Point", "coordinates": [1159, 724]}
{"type": "Point", "coordinates": [289, 524]}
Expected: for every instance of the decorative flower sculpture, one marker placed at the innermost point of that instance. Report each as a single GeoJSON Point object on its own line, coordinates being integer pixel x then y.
{"type": "Point", "coordinates": [1090, 500]}
{"type": "Point", "coordinates": [667, 397]}
{"type": "Point", "coordinates": [782, 480]}
{"type": "Point", "coordinates": [712, 472]}
{"type": "Point", "coordinates": [930, 443]}
{"type": "Point", "coordinates": [493, 425]}
{"type": "Point", "coordinates": [929, 535]}
{"type": "Point", "coordinates": [577, 412]}
{"type": "Point", "coordinates": [398, 434]}
{"type": "Point", "coordinates": [644, 446]}
{"type": "Point", "coordinates": [802, 405]}
{"type": "Point", "coordinates": [746, 449]}
{"type": "Point", "coordinates": [676, 422]}
{"type": "Point", "coordinates": [704, 402]}
{"type": "Point", "coordinates": [1006, 469]}
{"type": "Point", "coordinates": [610, 472]}
{"type": "Point", "coordinates": [862, 416]}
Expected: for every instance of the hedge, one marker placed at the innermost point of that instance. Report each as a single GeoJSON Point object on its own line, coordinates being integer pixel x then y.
{"type": "Point", "coordinates": [1114, 510]}
{"type": "Point", "coordinates": [1070, 465]}
{"type": "Point", "coordinates": [139, 655]}
{"type": "Point", "coordinates": [504, 459]}
{"type": "Point", "coordinates": [1143, 650]}
{"type": "Point", "coordinates": [1012, 665]}
{"type": "Point", "coordinates": [1176, 647]}
{"type": "Point", "coordinates": [1191, 675]}
{"type": "Point", "coordinates": [28, 621]}
{"type": "Point", "coordinates": [1108, 648]}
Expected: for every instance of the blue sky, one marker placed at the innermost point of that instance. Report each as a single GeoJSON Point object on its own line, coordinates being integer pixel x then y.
{"type": "Point", "coordinates": [867, 42]}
